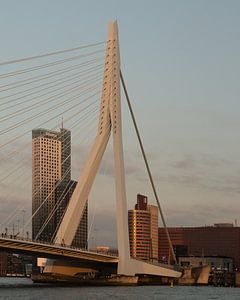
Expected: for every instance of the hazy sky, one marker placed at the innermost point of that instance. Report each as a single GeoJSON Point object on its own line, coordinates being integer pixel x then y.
{"type": "Point", "coordinates": [180, 60]}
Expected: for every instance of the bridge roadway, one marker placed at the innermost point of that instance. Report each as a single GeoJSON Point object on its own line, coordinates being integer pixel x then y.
{"type": "Point", "coordinates": [79, 257]}
{"type": "Point", "coordinates": [28, 247]}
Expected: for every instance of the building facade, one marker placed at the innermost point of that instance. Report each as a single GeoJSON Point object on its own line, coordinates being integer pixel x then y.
{"type": "Point", "coordinates": [216, 263]}
{"type": "Point", "coordinates": [153, 210]}
{"type": "Point", "coordinates": [63, 194]}
{"type": "Point", "coordinates": [143, 228]}
{"type": "Point", "coordinates": [14, 264]}
{"type": "Point", "coordinates": [220, 240]}
{"type": "Point", "coordinates": [52, 186]}
{"type": "Point", "coordinates": [3, 263]}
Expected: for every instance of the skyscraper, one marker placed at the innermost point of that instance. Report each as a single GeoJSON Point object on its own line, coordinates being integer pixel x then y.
{"type": "Point", "coordinates": [63, 194]}
{"type": "Point", "coordinates": [52, 186]}
{"type": "Point", "coordinates": [153, 210]}
{"type": "Point", "coordinates": [143, 230]}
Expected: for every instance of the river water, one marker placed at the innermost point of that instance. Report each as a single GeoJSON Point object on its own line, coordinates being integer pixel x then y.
{"type": "Point", "coordinates": [24, 289]}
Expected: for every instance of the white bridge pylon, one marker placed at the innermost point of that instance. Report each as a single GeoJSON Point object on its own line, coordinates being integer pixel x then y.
{"type": "Point", "coordinates": [109, 121]}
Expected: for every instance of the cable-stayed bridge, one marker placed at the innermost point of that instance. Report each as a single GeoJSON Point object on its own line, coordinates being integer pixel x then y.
{"type": "Point", "coordinates": [71, 91]}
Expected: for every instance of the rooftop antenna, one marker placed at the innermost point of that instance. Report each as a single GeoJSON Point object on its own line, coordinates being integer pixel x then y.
{"type": "Point", "coordinates": [62, 122]}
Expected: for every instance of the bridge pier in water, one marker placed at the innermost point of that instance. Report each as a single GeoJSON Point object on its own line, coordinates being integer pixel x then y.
{"type": "Point", "coordinates": [99, 274]}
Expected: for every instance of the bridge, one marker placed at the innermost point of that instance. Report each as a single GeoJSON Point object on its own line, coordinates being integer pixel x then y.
{"type": "Point", "coordinates": [55, 251]}
{"type": "Point", "coordinates": [87, 260]}
{"type": "Point", "coordinates": [110, 122]}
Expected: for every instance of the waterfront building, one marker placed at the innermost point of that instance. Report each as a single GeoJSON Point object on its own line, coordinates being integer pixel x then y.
{"type": "Point", "coordinates": [63, 194]}
{"type": "Point", "coordinates": [143, 228]}
{"type": "Point", "coordinates": [220, 240]}
{"type": "Point", "coordinates": [3, 263]}
{"type": "Point", "coordinates": [153, 210]}
{"type": "Point", "coordinates": [217, 263]}
{"type": "Point", "coordinates": [14, 264]}
{"type": "Point", "coordinates": [51, 162]}
{"type": "Point", "coordinates": [52, 186]}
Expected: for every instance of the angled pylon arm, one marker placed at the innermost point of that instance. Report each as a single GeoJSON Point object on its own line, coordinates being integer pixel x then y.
{"type": "Point", "coordinates": [77, 203]}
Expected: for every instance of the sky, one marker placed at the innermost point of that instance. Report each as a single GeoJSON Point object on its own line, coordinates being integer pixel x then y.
{"type": "Point", "coordinates": [180, 61]}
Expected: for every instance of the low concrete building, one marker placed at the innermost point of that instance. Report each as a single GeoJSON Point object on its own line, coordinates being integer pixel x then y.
{"type": "Point", "coordinates": [215, 262]}
{"type": "Point", "coordinates": [220, 240]}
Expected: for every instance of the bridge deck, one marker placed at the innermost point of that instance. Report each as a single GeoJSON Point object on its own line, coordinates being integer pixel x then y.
{"type": "Point", "coordinates": [54, 251]}
{"type": "Point", "coordinates": [89, 258]}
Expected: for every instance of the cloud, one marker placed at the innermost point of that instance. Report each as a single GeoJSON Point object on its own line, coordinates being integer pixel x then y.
{"type": "Point", "coordinates": [188, 162]}
{"type": "Point", "coordinates": [200, 214]}
{"type": "Point", "coordinates": [223, 184]}
{"type": "Point", "coordinates": [184, 163]}
{"type": "Point", "coordinates": [202, 171]}
{"type": "Point", "coordinates": [107, 168]}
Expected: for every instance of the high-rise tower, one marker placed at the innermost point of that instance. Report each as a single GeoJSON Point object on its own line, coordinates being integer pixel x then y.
{"type": "Point", "coordinates": [143, 230]}
{"type": "Point", "coordinates": [51, 162]}
{"type": "Point", "coordinates": [52, 186]}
